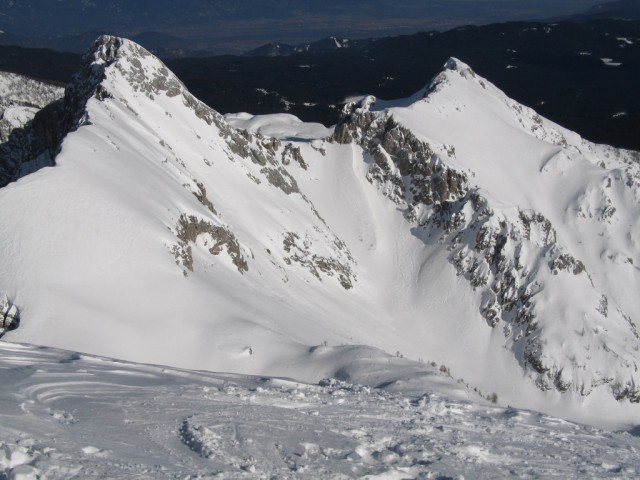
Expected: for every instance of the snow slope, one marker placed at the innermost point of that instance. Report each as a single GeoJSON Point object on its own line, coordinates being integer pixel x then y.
{"type": "Point", "coordinates": [67, 415]}
{"type": "Point", "coordinates": [547, 197]}
{"type": "Point", "coordinates": [455, 226]}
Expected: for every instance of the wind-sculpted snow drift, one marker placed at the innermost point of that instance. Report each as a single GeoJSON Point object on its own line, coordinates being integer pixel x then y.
{"type": "Point", "coordinates": [68, 415]}
{"type": "Point", "coordinates": [455, 226]}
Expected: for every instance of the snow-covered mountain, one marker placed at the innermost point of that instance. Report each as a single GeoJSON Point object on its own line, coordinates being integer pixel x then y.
{"type": "Point", "coordinates": [21, 98]}
{"type": "Point", "coordinates": [455, 226]}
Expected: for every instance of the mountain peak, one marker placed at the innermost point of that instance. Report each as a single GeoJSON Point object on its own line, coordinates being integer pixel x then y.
{"type": "Point", "coordinates": [458, 66]}
{"type": "Point", "coordinates": [106, 48]}
{"type": "Point", "coordinates": [113, 67]}
{"type": "Point", "coordinates": [451, 66]}
{"type": "Point", "coordinates": [139, 68]}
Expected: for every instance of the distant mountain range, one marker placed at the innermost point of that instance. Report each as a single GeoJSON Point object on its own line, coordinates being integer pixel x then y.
{"type": "Point", "coordinates": [617, 10]}
{"type": "Point", "coordinates": [580, 74]}
{"type": "Point", "coordinates": [207, 27]}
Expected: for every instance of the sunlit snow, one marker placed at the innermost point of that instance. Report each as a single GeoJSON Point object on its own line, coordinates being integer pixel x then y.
{"type": "Point", "coordinates": [168, 234]}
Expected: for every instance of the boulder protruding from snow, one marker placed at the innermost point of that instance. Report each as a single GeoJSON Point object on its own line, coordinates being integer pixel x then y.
{"type": "Point", "coordinates": [9, 315]}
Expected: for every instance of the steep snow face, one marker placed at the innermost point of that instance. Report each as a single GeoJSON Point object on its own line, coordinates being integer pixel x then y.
{"type": "Point", "coordinates": [458, 228]}
{"type": "Point", "coordinates": [20, 98]}
{"type": "Point", "coordinates": [513, 201]}
{"type": "Point", "coordinates": [170, 236]}
{"type": "Point", "coordinates": [545, 231]}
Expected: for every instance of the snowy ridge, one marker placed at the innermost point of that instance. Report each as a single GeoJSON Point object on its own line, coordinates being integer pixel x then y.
{"type": "Point", "coordinates": [603, 206]}
{"type": "Point", "coordinates": [122, 84]}
{"type": "Point", "coordinates": [455, 226]}
{"type": "Point", "coordinates": [512, 257]}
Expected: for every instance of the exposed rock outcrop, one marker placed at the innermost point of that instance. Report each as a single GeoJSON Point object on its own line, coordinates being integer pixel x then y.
{"type": "Point", "coordinates": [405, 167]}
{"type": "Point", "coordinates": [214, 238]}
{"type": "Point", "coordinates": [9, 315]}
{"type": "Point", "coordinates": [298, 251]}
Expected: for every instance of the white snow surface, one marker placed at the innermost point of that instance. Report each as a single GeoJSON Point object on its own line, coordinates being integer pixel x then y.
{"type": "Point", "coordinates": [279, 125]}
{"type": "Point", "coordinates": [282, 254]}
{"type": "Point", "coordinates": [610, 62]}
{"type": "Point", "coordinates": [66, 415]}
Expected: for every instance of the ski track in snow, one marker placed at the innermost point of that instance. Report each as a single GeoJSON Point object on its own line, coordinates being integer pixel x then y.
{"type": "Point", "coordinates": [65, 415]}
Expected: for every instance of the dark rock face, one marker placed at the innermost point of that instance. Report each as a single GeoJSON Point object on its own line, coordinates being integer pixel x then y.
{"type": "Point", "coordinates": [280, 178]}
{"type": "Point", "coordinates": [291, 153]}
{"type": "Point", "coordinates": [407, 168]}
{"type": "Point", "coordinates": [566, 262]}
{"type": "Point", "coordinates": [33, 147]}
{"type": "Point", "coordinates": [201, 195]}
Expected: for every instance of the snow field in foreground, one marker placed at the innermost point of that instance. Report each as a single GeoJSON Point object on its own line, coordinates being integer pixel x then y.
{"type": "Point", "coordinates": [66, 415]}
